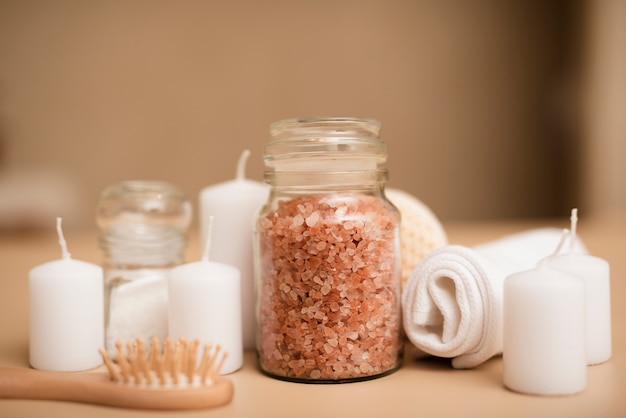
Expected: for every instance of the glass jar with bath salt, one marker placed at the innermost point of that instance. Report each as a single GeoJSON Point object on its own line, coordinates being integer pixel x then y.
{"type": "Point", "coordinates": [143, 234]}
{"type": "Point", "coordinates": [327, 255]}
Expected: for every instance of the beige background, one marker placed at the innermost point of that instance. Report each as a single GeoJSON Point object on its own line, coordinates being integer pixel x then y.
{"type": "Point", "coordinates": [491, 109]}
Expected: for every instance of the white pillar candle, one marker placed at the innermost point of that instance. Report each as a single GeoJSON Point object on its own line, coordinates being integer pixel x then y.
{"type": "Point", "coordinates": [205, 304]}
{"type": "Point", "coordinates": [66, 313]}
{"type": "Point", "coordinates": [595, 274]}
{"type": "Point", "coordinates": [544, 332]}
{"type": "Point", "coordinates": [234, 205]}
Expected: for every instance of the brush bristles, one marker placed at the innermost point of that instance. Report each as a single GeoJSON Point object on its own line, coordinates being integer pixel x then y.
{"type": "Point", "coordinates": [174, 365]}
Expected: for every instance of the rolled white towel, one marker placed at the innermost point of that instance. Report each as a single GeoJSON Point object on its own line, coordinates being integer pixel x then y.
{"type": "Point", "coordinates": [452, 302]}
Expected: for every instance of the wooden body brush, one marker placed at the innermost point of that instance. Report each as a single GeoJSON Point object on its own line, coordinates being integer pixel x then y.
{"type": "Point", "coordinates": [161, 381]}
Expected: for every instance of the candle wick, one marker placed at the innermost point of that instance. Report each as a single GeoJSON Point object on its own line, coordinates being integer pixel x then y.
{"type": "Point", "coordinates": [564, 235]}
{"type": "Point", "coordinates": [574, 221]}
{"type": "Point", "coordinates": [241, 165]}
{"type": "Point", "coordinates": [65, 254]}
{"type": "Point", "coordinates": [207, 244]}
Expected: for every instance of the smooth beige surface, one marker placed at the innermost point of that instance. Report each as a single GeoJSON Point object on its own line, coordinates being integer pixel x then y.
{"type": "Point", "coordinates": [424, 388]}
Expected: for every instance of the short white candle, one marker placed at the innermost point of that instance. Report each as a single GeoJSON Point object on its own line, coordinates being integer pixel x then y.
{"type": "Point", "coordinates": [66, 313]}
{"type": "Point", "coordinates": [205, 304]}
{"type": "Point", "coordinates": [544, 333]}
{"type": "Point", "coordinates": [234, 205]}
{"type": "Point", "coordinates": [595, 274]}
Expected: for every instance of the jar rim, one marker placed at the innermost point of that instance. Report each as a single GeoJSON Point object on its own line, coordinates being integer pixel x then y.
{"type": "Point", "coordinates": [142, 188]}
{"type": "Point", "coordinates": [342, 125]}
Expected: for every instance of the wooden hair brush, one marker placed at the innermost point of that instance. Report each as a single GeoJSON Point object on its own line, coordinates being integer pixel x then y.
{"type": "Point", "coordinates": [164, 380]}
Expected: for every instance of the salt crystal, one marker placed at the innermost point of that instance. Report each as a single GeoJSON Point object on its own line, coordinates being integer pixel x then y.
{"type": "Point", "coordinates": [335, 234]}
{"type": "Point", "coordinates": [312, 219]}
{"type": "Point", "coordinates": [325, 289]}
{"type": "Point", "coordinates": [365, 367]}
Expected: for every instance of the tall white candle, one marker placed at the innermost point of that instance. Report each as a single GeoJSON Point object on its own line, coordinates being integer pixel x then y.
{"type": "Point", "coordinates": [66, 313]}
{"type": "Point", "coordinates": [595, 274]}
{"type": "Point", "coordinates": [234, 205]}
{"type": "Point", "coordinates": [205, 304]}
{"type": "Point", "coordinates": [544, 332]}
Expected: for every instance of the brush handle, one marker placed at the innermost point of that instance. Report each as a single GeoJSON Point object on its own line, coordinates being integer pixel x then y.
{"type": "Point", "coordinates": [97, 388]}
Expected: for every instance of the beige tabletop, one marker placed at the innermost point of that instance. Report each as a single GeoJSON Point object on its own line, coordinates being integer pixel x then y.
{"type": "Point", "coordinates": [421, 388]}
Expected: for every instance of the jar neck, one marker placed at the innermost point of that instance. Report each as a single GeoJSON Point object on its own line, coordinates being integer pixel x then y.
{"type": "Point", "coordinates": [158, 253]}
{"type": "Point", "coordinates": [325, 144]}
{"type": "Point", "coordinates": [355, 179]}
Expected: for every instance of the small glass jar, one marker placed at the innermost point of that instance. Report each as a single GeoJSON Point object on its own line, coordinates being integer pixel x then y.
{"type": "Point", "coordinates": [143, 227]}
{"type": "Point", "coordinates": [327, 255]}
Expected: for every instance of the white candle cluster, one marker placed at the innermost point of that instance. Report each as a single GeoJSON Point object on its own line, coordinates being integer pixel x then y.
{"type": "Point", "coordinates": [556, 322]}
{"type": "Point", "coordinates": [202, 300]}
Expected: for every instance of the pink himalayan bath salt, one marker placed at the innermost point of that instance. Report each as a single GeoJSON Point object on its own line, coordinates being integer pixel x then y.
{"type": "Point", "coordinates": [329, 288]}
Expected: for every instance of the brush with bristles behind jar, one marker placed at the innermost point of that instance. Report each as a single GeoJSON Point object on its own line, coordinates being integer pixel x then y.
{"type": "Point", "coordinates": [167, 379]}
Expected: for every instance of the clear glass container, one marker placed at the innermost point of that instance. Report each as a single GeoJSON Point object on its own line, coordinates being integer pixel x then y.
{"type": "Point", "coordinates": [327, 255]}
{"type": "Point", "coordinates": [143, 234]}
